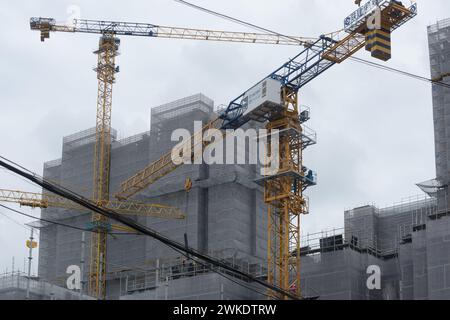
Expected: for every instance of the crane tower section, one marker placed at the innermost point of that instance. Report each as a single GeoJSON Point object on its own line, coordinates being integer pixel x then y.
{"type": "Point", "coordinates": [106, 70]}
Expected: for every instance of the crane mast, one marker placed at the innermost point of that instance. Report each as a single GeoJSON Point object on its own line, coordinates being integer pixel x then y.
{"type": "Point", "coordinates": [106, 70]}
{"type": "Point", "coordinates": [283, 193]}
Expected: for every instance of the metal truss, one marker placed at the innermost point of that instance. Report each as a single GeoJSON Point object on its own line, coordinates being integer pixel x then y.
{"type": "Point", "coordinates": [155, 31]}
{"type": "Point", "coordinates": [43, 201]}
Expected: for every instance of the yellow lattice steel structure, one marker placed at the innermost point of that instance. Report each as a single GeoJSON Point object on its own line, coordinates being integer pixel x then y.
{"type": "Point", "coordinates": [283, 193]}
{"type": "Point", "coordinates": [47, 25]}
{"type": "Point", "coordinates": [164, 165]}
{"type": "Point", "coordinates": [43, 201]}
{"type": "Point", "coordinates": [106, 70]}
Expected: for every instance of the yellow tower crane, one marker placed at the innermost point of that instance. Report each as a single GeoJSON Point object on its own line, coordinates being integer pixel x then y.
{"type": "Point", "coordinates": [369, 26]}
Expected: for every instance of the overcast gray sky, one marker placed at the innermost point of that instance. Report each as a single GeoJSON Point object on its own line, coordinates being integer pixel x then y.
{"type": "Point", "coordinates": [375, 129]}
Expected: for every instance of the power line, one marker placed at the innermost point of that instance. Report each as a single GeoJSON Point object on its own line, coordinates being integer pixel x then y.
{"type": "Point", "coordinates": [88, 204]}
{"type": "Point", "coordinates": [359, 60]}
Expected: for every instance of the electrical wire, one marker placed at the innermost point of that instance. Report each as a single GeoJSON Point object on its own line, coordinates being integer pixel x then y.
{"type": "Point", "coordinates": [359, 60]}
{"type": "Point", "coordinates": [138, 227]}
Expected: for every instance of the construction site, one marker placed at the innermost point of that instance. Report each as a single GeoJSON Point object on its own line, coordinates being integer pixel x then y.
{"type": "Point", "coordinates": [239, 223]}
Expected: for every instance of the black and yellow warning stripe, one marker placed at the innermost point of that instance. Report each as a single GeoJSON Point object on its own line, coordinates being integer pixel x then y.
{"type": "Point", "coordinates": [380, 35]}
{"type": "Point", "coordinates": [378, 42]}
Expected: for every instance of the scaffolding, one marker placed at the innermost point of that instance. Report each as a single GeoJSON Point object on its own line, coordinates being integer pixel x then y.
{"type": "Point", "coordinates": [445, 23]}
{"type": "Point", "coordinates": [332, 240]}
{"type": "Point", "coordinates": [178, 108]}
{"type": "Point", "coordinates": [385, 229]}
{"type": "Point", "coordinates": [412, 203]}
{"type": "Point", "coordinates": [132, 139]}
{"type": "Point", "coordinates": [82, 138]}
{"type": "Point", "coordinates": [52, 164]}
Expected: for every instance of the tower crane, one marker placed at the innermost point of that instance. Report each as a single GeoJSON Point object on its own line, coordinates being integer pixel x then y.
{"type": "Point", "coordinates": [283, 191]}
{"type": "Point", "coordinates": [106, 70]}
